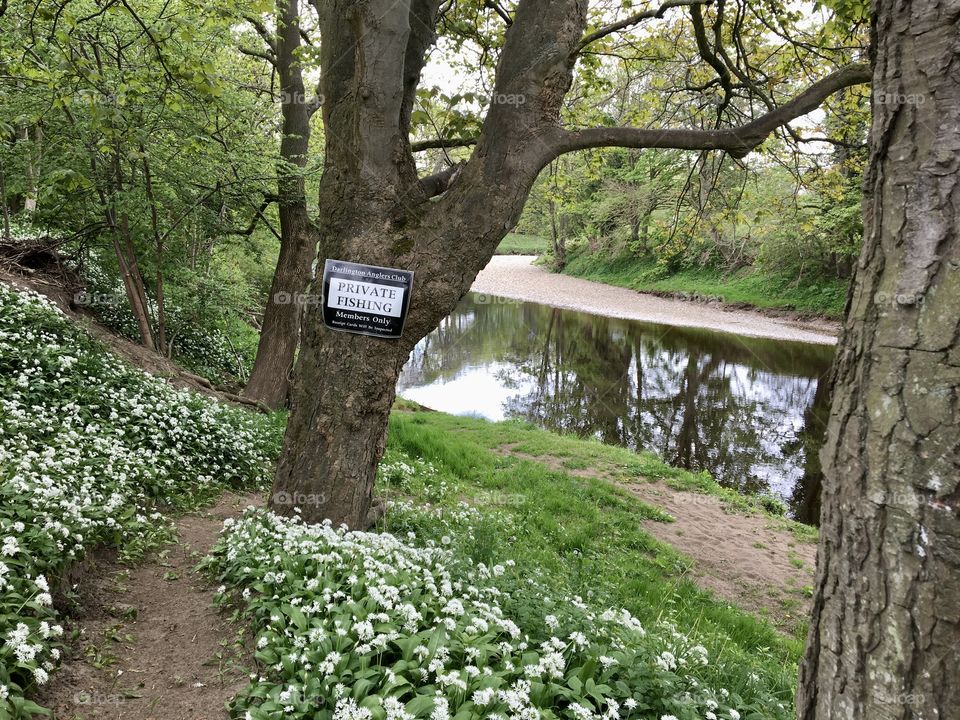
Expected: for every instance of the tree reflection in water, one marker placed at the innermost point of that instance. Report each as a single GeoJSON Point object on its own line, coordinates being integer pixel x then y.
{"type": "Point", "coordinates": [750, 411]}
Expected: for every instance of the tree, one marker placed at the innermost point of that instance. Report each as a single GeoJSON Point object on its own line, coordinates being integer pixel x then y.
{"type": "Point", "coordinates": [376, 209]}
{"type": "Point", "coordinates": [147, 143]}
{"type": "Point", "coordinates": [884, 640]}
{"type": "Point", "coordinates": [280, 331]}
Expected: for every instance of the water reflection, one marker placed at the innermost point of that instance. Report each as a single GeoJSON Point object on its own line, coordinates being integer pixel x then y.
{"type": "Point", "coordinates": [750, 411]}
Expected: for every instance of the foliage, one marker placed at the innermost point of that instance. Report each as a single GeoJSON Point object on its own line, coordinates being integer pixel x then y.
{"type": "Point", "coordinates": [141, 134]}
{"type": "Point", "coordinates": [90, 449]}
{"type": "Point", "coordinates": [750, 286]}
{"type": "Point", "coordinates": [205, 330]}
{"type": "Point", "coordinates": [520, 244]}
{"type": "Point", "coordinates": [369, 626]}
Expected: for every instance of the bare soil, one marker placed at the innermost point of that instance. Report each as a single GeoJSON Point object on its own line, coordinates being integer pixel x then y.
{"type": "Point", "coordinates": [747, 559]}
{"type": "Point", "coordinates": [149, 644]}
{"type": "Point", "coordinates": [743, 558]}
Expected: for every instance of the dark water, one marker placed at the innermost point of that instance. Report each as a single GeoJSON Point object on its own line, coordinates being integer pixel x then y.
{"type": "Point", "coordinates": [750, 411]}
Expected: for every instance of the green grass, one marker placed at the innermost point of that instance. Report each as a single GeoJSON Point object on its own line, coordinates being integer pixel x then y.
{"type": "Point", "coordinates": [520, 244]}
{"type": "Point", "coordinates": [585, 532]}
{"type": "Point", "coordinates": [820, 297]}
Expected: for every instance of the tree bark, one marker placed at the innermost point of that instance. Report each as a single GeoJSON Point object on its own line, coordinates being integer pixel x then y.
{"type": "Point", "coordinates": [884, 639]}
{"type": "Point", "coordinates": [269, 381]}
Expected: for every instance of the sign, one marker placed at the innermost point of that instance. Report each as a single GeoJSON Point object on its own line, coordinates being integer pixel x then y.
{"type": "Point", "coordinates": [365, 299]}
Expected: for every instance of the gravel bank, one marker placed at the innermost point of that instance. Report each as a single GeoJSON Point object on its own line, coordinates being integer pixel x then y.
{"type": "Point", "coordinates": [515, 276]}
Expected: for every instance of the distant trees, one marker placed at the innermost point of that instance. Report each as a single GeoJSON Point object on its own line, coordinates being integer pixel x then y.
{"type": "Point", "coordinates": [138, 135]}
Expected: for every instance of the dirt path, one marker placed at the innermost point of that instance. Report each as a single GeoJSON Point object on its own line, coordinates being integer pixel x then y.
{"type": "Point", "coordinates": [750, 560]}
{"type": "Point", "coordinates": [744, 559]}
{"type": "Point", "coordinates": [151, 646]}
{"type": "Point", "coordinates": [515, 276]}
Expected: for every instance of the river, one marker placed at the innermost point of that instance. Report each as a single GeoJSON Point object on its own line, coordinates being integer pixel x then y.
{"type": "Point", "coordinates": [750, 411]}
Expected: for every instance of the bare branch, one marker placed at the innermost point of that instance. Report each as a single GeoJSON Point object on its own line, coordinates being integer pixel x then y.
{"type": "Point", "coordinates": [633, 20]}
{"type": "Point", "coordinates": [737, 141]}
{"type": "Point", "coordinates": [504, 15]}
{"type": "Point", "coordinates": [265, 35]}
{"type": "Point", "coordinates": [422, 145]}
{"type": "Point", "coordinates": [266, 56]}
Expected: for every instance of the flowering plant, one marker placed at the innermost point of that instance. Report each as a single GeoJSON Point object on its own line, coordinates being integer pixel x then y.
{"type": "Point", "coordinates": [89, 447]}
{"type": "Point", "coordinates": [371, 626]}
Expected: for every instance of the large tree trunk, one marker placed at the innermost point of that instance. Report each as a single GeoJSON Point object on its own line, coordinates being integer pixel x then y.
{"type": "Point", "coordinates": [375, 210]}
{"type": "Point", "coordinates": [280, 331]}
{"type": "Point", "coordinates": [884, 640]}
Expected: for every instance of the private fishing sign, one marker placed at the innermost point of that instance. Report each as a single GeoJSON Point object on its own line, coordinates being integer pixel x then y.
{"type": "Point", "coordinates": [365, 299]}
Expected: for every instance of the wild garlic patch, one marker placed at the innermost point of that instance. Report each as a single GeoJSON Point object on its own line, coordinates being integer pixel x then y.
{"type": "Point", "coordinates": [88, 447]}
{"type": "Point", "coordinates": [374, 626]}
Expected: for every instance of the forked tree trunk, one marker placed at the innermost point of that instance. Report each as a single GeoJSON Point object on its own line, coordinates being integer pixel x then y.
{"type": "Point", "coordinates": [269, 381]}
{"type": "Point", "coordinates": [375, 209]}
{"type": "Point", "coordinates": [884, 640]}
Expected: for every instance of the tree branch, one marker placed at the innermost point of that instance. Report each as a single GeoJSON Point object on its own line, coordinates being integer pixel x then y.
{"type": "Point", "coordinates": [437, 143]}
{"type": "Point", "coordinates": [266, 56]}
{"type": "Point", "coordinates": [737, 141]}
{"type": "Point", "coordinates": [437, 184]}
{"type": "Point", "coordinates": [633, 20]}
{"type": "Point", "coordinates": [504, 15]}
{"type": "Point", "coordinates": [265, 35]}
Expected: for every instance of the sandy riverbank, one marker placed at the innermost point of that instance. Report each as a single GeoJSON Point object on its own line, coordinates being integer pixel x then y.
{"type": "Point", "coordinates": [515, 276]}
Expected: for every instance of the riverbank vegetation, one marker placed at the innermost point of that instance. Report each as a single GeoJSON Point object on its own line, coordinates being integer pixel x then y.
{"type": "Point", "coordinates": [779, 231]}
{"type": "Point", "coordinates": [747, 286]}
{"type": "Point", "coordinates": [104, 449]}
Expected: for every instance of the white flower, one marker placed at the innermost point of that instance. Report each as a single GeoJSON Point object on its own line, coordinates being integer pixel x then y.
{"type": "Point", "coordinates": [347, 709]}
{"type": "Point", "coordinates": [666, 661]}
{"type": "Point", "coordinates": [10, 547]}
{"type": "Point", "coordinates": [734, 715]}
{"type": "Point", "coordinates": [581, 712]}
{"type": "Point", "coordinates": [483, 697]}
{"type": "Point", "coordinates": [441, 709]}
{"type": "Point", "coordinates": [4, 692]}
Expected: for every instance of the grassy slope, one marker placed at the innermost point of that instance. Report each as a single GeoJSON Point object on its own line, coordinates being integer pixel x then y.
{"type": "Point", "coordinates": [824, 297]}
{"type": "Point", "coordinates": [586, 531]}
{"type": "Point", "coordinates": [519, 244]}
